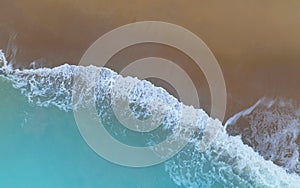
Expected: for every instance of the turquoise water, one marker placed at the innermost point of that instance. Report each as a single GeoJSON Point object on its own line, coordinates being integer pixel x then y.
{"type": "Point", "coordinates": [41, 145]}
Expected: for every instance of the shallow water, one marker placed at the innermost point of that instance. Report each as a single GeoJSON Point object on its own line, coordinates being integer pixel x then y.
{"type": "Point", "coordinates": [53, 145]}
{"type": "Point", "coordinates": [42, 147]}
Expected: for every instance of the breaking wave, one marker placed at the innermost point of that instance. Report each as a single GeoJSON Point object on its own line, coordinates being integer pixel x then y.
{"type": "Point", "coordinates": [212, 157]}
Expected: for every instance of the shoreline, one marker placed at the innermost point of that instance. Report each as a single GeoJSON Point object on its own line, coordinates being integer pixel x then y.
{"type": "Point", "coordinates": [257, 50]}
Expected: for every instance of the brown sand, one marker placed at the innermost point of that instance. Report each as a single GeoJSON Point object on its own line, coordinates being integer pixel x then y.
{"type": "Point", "coordinates": [257, 43]}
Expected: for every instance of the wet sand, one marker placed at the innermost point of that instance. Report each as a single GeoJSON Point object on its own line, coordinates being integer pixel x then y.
{"type": "Point", "coordinates": [257, 43]}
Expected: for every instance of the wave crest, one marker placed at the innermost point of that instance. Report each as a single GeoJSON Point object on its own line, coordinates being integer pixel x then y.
{"type": "Point", "coordinates": [212, 157]}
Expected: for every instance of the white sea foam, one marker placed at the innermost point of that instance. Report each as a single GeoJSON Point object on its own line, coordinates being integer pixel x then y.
{"type": "Point", "coordinates": [212, 157]}
{"type": "Point", "coordinates": [272, 128]}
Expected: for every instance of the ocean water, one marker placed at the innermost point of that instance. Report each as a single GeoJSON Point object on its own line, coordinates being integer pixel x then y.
{"type": "Point", "coordinates": [41, 145]}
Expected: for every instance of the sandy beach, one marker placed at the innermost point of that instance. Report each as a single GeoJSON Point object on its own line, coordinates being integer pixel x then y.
{"type": "Point", "coordinates": [256, 43]}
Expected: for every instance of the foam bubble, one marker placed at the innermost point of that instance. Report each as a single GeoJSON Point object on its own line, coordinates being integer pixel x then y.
{"type": "Point", "coordinates": [226, 162]}
{"type": "Point", "coordinates": [272, 128]}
